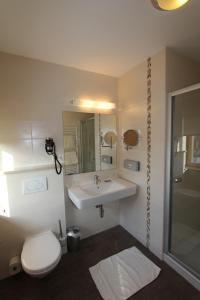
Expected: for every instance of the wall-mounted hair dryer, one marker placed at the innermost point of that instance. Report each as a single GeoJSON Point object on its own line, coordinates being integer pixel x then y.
{"type": "Point", "coordinates": [50, 148]}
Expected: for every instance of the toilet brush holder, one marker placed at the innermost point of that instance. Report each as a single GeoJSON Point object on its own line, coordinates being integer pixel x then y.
{"type": "Point", "coordinates": [63, 244]}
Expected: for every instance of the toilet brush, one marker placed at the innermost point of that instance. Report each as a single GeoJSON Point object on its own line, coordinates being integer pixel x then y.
{"type": "Point", "coordinates": [60, 228]}
{"type": "Point", "coordinates": [62, 239]}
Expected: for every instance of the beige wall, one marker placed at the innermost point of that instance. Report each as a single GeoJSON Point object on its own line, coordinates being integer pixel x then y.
{"type": "Point", "coordinates": [33, 95]}
{"type": "Point", "coordinates": [132, 115]}
{"type": "Point", "coordinates": [170, 72]}
{"type": "Point", "coordinates": [181, 71]}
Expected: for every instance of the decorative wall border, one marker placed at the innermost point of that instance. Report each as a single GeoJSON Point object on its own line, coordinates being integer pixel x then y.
{"type": "Point", "coordinates": [148, 203]}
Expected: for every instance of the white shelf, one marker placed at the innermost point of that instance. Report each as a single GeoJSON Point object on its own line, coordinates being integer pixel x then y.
{"type": "Point", "coordinates": [29, 168]}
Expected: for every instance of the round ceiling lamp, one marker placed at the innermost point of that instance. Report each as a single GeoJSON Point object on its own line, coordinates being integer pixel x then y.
{"type": "Point", "coordinates": [168, 4]}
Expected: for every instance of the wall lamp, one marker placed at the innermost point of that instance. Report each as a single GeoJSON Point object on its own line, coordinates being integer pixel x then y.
{"type": "Point", "coordinates": [93, 104]}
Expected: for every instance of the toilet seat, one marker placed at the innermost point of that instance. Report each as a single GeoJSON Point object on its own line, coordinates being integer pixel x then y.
{"type": "Point", "coordinates": [41, 253]}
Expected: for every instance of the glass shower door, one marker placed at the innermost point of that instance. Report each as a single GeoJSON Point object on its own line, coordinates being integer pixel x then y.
{"type": "Point", "coordinates": [184, 240]}
{"type": "Point", "coordinates": [88, 145]}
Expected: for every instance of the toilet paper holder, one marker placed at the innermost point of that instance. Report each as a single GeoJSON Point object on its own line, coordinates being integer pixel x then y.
{"type": "Point", "coordinates": [15, 266]}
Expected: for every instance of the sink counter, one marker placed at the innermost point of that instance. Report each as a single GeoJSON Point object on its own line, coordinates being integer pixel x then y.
{"type": "Point", "coordinates": [91, 194]}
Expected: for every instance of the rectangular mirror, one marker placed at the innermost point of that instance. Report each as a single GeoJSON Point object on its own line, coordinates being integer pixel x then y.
{"type": "Point", "coordinates": [90, 142]}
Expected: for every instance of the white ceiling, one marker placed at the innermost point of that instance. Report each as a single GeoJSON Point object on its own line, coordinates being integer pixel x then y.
{"type": "Point", "coordinates": [104, 36]}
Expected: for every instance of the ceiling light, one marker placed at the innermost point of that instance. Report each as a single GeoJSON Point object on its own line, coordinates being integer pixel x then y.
{"type": "Point", "coordinates": [168, 4]}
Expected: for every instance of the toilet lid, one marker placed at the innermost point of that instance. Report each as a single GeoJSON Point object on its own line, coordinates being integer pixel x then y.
{"type": "Point", "coordinates": [40, 252]}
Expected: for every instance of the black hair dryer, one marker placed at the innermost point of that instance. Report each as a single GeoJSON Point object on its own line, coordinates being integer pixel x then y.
{"type": "Point", "coordinates": [50, 148]}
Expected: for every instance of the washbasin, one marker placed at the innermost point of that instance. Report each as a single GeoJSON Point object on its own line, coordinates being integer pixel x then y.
{"type": "Point", "coordinates": [90, 194]}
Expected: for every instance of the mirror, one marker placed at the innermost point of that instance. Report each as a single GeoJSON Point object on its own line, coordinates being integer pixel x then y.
{"type": "Point", "coordinates": [130, 138]}
{"type": "Point", "coordinates": [89, 142]}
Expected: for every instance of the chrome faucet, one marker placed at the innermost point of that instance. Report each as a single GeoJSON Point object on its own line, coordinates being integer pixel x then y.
{"type": "Point", "coordinates": [97, 179]}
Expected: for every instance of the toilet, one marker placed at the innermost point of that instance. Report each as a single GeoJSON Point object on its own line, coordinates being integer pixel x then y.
{"type": "Point", "coordinates": [40, 254]}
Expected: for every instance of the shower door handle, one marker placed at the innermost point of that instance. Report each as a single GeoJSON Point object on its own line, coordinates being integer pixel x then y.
{"type": "Point", "coordinates": [178, 179]}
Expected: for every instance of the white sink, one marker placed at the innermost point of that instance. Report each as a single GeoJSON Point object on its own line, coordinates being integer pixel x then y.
{"type": "Point", "coordinates": [90, 194]}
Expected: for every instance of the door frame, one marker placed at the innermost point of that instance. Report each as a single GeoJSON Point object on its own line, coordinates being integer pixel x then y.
{"type": "Point", "coordinates": [168, 257]}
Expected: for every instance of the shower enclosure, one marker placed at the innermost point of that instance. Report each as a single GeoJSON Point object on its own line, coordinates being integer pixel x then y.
{"type": "Point", "coordinates": [182, 219]}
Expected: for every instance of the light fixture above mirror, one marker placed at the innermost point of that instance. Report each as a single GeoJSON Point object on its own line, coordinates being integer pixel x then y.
{"type": "Point", "coordinates": [91, 104]}
{"type": "Point", "coordinates": [168, 4]}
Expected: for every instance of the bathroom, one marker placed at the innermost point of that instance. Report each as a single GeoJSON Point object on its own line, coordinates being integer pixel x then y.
{"type": "Point", "coordinates": [40, 84]}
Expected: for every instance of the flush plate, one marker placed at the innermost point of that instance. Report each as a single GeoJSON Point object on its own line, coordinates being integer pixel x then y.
{"type": "Point", "coordinates": [35, 185]}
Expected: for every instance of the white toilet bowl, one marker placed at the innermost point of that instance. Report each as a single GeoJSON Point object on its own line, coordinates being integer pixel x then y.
{"type": "Point", "coordinates": [41, 253]}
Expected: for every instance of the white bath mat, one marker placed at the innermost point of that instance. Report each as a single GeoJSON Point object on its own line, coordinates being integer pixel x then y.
{"type": "Point", "coordinates": [122, 275]}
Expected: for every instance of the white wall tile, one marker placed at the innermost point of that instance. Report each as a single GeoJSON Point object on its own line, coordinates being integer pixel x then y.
{"type": "Point", "coordinates": [39, 154]}
{"type": "Point", "coordinates": [15, 153]}
{"type": "Point", "coordinates": [15, 129]}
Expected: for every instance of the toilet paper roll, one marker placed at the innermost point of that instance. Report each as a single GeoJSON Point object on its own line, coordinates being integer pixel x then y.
{"type": "Point", "coordinates": [15, 265]}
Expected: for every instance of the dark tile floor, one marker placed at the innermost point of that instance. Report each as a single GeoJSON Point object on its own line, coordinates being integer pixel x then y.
{"type": "Point", "coordinates": [71, 280]}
